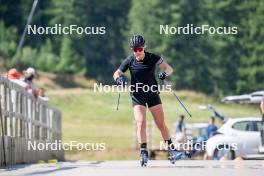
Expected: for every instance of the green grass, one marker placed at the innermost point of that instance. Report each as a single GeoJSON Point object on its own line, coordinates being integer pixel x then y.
{"type": "Point", "coordinates": [91, 117]}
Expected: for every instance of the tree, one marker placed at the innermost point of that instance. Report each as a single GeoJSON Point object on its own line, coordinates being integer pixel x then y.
{"type": "Point", "coordinates": [251, 71]}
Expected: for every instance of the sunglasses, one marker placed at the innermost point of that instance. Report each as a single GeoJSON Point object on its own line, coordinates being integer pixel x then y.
{"type": "Point", "coordinates": [137, 49]}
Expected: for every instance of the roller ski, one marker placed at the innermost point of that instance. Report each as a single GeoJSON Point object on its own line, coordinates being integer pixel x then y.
{"type": "Point", "coordinates": [144, 158]}
{"type": "Point", "coordinates": [174, 155]}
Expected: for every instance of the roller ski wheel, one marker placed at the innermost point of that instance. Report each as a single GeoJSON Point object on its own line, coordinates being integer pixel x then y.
{"type": "Point", "coordinates": [144, 158]}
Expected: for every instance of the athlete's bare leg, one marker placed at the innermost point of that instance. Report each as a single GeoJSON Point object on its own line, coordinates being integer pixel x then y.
{"type": "Point", "coordinates": [140, 117]}
{"type": "Point", "coordinates": [158, 115]}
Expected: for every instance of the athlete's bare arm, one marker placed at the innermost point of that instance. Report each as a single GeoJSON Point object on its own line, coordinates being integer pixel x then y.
{"type": "Point", "coordinates": [117, 74]}
{"type": "Point", "coordinates": [262, 106]}
{"type": "Point", "coordinates": [166, 67]}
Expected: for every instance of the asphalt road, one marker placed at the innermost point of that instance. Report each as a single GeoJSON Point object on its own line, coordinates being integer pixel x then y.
{"type": "Point", "coordinates": [132, 168]}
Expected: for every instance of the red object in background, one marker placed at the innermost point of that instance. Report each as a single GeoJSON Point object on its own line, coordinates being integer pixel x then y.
{"type": "Point", "coordinates": [13, 74]}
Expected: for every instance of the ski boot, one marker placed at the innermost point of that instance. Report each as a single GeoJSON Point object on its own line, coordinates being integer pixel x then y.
{"type": "Point", "coordinates": [174, 155]}
{"type": "Point", "coordinates": [188, 154]}
{"type": "Point", "coordinates": [144, 158]}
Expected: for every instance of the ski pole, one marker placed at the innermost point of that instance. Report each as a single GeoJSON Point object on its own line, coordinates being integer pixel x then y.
{"type": "Point", "coordinates": [178, 100]}
{"type": "Point", "coordinates": [123, 83]}
{"type": "Point", "coordinates": [118, 99]}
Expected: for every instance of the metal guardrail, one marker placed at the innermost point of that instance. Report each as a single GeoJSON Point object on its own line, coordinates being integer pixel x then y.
{"type": "Point", "coordinates": [26, 119]}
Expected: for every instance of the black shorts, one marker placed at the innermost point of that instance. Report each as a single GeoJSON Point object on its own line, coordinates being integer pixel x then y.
{"type": "Point", "coordinates": [149, 102]}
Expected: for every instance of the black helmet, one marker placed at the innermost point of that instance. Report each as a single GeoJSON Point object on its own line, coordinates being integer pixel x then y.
{"type": "Point", "coordinates": [137, 41]}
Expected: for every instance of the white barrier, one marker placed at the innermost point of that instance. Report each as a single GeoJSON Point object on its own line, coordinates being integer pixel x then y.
{"type": "Point", "coordinates": [24, 118]}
